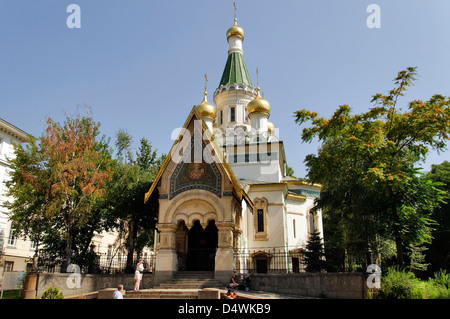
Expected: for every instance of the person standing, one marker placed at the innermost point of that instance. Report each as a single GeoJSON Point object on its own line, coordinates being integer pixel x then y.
{"type": "Point", "coordinates": [138, 274]}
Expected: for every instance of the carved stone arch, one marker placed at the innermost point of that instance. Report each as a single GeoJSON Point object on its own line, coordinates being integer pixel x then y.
{"type": "Point", "coordinates": [181, 217]}
{"type": "Point", "coordinates": [200, 203]}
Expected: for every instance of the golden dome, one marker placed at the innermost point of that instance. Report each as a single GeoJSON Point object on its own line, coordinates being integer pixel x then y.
{"type": "Point", "coordinates": [206, 109]}
{"type": "Point", "coordinates": [258, 105]}
{"type": "Point", "coordinates": [270, 127]}
{"type": "Point", "coordinates": [235, 30]}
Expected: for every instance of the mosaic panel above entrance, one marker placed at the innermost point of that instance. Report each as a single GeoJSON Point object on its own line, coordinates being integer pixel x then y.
{"type": "Point", "coordinates": [187, 176]}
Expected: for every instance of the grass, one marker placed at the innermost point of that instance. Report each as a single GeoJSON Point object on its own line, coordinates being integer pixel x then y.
{"type": "Point", "coordinates": [11, 294]}
{"type": "Point", "coordinates": [399, 284]}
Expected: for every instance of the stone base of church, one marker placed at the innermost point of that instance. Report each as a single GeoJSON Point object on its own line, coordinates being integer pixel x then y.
{"type": "Point", "coordinates": [224, 265]}
{"type": "Point", "coordinates": [166, 265]}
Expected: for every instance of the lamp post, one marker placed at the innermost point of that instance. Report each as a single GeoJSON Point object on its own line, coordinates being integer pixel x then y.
{"type": "Point", "coordinates": [369, 258]}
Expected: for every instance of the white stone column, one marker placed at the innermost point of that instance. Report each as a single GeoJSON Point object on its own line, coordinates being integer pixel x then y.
{"type": "Point", "coordinates": [166, 260]}
{"type": "Point", "coordinates": [225, 262]}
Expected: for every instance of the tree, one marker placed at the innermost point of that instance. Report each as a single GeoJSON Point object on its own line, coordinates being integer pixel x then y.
{"type": "Point", "coordinates": [30, 188]}
{"type": "Point", "coordinates": [126, 193]}
{"type": "Point", "coordinates": [123, 143]}
{"type": "Point", "coordinates": [378, 153]}
{"type": "Point", "coordinates": [314, 258]}
{"type": "Point", "coordinates": [61, 180]}
{"type": "Point", "coordinates": [438, 254]}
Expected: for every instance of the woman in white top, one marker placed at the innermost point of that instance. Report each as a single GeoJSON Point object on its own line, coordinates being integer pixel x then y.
{"type": "Point", "coordinates": [138, 274]}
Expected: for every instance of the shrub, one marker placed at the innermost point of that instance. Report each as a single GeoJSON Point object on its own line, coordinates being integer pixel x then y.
{"type": "Point", "coordinates": [397, 284]}
{"type": "Point", "coordinates": [441, 278]}
{"type": "Point", "coordinates": [52, 293]}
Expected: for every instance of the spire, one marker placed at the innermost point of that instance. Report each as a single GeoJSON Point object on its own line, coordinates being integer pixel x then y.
{"type": "Point", "coordinates": [235, 71]}
{"type": "Point", "coordinates": [235, 30]}
{"type": "Point", "coordinates": [258, 104]}
{"type": "Point", "coordinates": [206, 109]}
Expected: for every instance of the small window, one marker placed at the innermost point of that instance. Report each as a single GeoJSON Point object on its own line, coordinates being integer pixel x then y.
{"type": "Point", "coordinates": [245, 115]}
{"type": "Point", "coordinates": [221, 117]}
{"type": "Point", "coordinates": [12, 239]}
{"type": "Point", "coordinates": [293, 226]}
{"type": "Point", "coordinates": [232, 114]}
{"type": "Point", "coordinates": [9, 265]}
{"type": "Point", "coordinates": [260, 220]}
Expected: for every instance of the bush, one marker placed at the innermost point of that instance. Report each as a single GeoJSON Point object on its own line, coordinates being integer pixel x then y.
{"type": "Point", "coordinates": [52, 293]}
{"type": "Point", "coordinates": [441, 278]}
{"type": "Point", "coordinates": [398, 284]}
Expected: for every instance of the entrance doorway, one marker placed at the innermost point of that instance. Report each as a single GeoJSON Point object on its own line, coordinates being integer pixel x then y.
{"type": "Point", "coordinates": [196, 247]}
{"type": "Point", "coordinates": [202, 245]}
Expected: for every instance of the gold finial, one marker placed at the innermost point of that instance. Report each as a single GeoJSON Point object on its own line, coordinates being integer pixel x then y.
{"type": "Point", "coordinates": [206, 109]}
{"type": "Point", "coordinates": [257, 78]}
{"type": "Point", "coordinates": [235, 18]}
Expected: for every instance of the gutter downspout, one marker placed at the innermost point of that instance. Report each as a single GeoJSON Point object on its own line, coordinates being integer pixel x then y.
{"type": "Point", "coordinates": [286, 229]}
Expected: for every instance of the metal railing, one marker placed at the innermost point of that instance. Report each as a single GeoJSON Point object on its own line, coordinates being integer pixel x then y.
{"type": "Point", "coordinates": [265, 260]}
{"type": "Point", "coordinates": [269, 260]}
{"type": "Point", "coordinates": [96, 264]}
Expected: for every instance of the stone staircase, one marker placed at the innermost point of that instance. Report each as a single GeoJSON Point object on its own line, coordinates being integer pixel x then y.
{"type": "Point", "coordinates": [162, 294]}
{"type": "Point", "coordinates": [184, 285]}
{"type": "Point", "coordinates": [191, 280]}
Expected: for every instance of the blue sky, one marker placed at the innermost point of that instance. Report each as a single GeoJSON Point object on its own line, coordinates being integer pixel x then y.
{"type": "Point", "coordinates": [139, 64]}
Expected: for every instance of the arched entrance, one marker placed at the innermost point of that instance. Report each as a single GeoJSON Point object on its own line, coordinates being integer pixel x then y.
{"type": "Point", "coordinates": [196, 247]}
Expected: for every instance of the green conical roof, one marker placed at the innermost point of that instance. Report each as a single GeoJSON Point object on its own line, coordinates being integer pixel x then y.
{"type": "Point", "coordinates": [235, 71]}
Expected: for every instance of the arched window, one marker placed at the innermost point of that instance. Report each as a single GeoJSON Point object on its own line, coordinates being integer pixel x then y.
{"type": "Point", "coordinates": [260, 224]}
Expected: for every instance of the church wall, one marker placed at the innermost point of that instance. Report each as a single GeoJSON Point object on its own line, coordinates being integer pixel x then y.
{"type": "Point", "coordinates": [275, 218]}
{"type": "Point", "coordinates": [252, 171]}
{"type": "Point", "coordinates": [297, 210]}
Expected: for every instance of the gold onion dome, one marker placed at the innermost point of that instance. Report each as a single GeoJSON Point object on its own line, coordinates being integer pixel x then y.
{"type": "Point", "coordinates": [270, 127]}
{"type": "Point", "coordinates": [235, 30]}
{"type": "Point", "coordinates": [258, 105]}
{"type": "Point", "coordinates": [206, 109]}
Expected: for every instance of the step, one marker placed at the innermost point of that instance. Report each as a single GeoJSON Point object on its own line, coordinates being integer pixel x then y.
{"type": "Point", "coordinates": [162, 294]}
{"type": "Point", "coordinates": [191, 280]}
{"type": "Point", "coordinates": [194, 274]}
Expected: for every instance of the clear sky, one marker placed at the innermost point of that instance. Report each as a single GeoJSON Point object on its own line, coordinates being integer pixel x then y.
{"type": "Point", "coordinates": [139, 64]}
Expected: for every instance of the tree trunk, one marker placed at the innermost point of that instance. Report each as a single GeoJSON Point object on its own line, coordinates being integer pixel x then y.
{"type": "Point", "coordinates": [399, 247]}
{"type": "Point", "coordinates": [132, 233]}
{"type": "Point", "coordinates": [398, 238]}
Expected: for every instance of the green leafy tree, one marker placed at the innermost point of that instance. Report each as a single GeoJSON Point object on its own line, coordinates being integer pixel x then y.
{"type": "Point", "coordinates": [438, 254]}
{"type": "Point", "coordinates": [135, 219]}
{"type": "Point", "coordinates": [123, 143]}
{"type": "Point", "coordinates": [30, 187]}
{"type": "Point", "coordinates": [57, 183]}
{"type": "Point", "coordinates": [378, 153]}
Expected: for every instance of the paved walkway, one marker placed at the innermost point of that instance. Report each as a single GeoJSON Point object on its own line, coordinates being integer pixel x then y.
{"type": "Point", "coordinates": [145, 293]}
{"type": "Point", "coordinates": [272, 295]}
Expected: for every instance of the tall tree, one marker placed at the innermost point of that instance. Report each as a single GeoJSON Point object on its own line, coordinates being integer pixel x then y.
{"type": "Point", "coordinates": [29, 187]}
{"type": "Point", "coordinates": [123, 143]}
{"type": "Point", "coordinates": [130, 183]}
{"type": "Point", "coordinates": [382, 147]}
{"type": "Point", "coordinates": [438, 254]}
{"type": "Point", "coordinates": [65, 176]}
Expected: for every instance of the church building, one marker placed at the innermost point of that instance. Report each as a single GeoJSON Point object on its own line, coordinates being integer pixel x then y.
{"type": "Point", "coordinates": [225, 201]}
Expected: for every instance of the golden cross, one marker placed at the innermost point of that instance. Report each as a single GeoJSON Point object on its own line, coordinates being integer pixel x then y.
{"type": "Point", "coordinates": [257, 77]}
